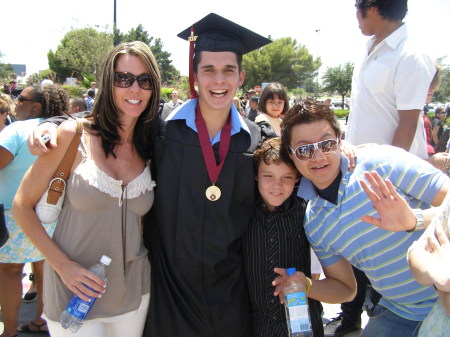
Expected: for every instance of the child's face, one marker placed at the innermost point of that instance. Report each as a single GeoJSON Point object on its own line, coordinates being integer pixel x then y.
{"type": "Point", "coordinates": [275, 106]}
{"type": "Point", "coordinates": [275, 183]}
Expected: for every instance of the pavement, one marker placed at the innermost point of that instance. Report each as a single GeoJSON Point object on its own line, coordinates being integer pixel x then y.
{"type": "Point", "coordinates": [333, 310]}
{"type": "Point", "coordinates": [27, 311]}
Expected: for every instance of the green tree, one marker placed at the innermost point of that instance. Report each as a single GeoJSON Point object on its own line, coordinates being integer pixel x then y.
{"type": "Point", "coordinates": [117, 36]}
{"type": "Point", "coordinates": [36, 79]}
{"type": "Point", "coordinates": [5, 70]}
{"type": "Point", "coordinates": [443, 93]}
{"type": "Point", "coordinates": [137, 34]}
{"type": "Point", "coordinates": [33, 79]}
{"type": "Point", "coordinates": [338, 80]}
{"type": "Point", "coordinates": [282, 61]}
{"type": "Point", "coordinates": [80, 53]}
{"type": "Point", "coordinates": [169, 74]}
{"type": "Point", "coordinates": [312, 86]}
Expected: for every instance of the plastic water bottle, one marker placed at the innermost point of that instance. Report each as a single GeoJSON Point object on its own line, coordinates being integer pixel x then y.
{"type": "Point", "coordinates": [297, 310]}
{"type": "Point", "coordinates": [77, 310]}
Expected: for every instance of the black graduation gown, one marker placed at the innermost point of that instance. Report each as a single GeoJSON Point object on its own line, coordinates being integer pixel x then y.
{"type": "Point", "coordinates": [198, 284]}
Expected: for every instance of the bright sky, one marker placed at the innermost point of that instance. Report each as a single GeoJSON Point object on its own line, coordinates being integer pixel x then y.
{"type": "Point", "coordinates": [328, 28]}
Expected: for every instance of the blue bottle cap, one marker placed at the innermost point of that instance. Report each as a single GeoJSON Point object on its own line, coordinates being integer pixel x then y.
{"type": "Point", "coordinates": [290, 271]}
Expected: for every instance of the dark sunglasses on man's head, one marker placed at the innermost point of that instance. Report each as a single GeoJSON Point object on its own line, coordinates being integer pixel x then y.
{"type": "Point", "coordinates": [307, 152]}
{"type": "Point", "coordinates": [126, 80]}
{"type": "Point", "coordinates": [22, 99]}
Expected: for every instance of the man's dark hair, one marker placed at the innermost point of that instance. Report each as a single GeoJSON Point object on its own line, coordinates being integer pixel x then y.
{"type": "Point", "coordinates": [197, 59]}
{"type": "Point", "coordinates": [306, 111]}
{"type": "Point", "coordinates": [78, 102]}
{"type": "Point", "coordinates": [392, 10]}
{"type": "Point", "coordinates": [439, 110]}
{"type": "Point", "coordinates": [53, 98]}
{"type": "Point", "coordinates": [91, 93]}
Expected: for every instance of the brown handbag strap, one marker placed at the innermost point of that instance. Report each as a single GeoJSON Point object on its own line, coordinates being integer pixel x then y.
{"type": "Point", "coordinates": [58, 183]}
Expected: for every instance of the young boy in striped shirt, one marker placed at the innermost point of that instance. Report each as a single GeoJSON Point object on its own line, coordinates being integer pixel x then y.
{"type": "Point", "coordinates": [275, 238]}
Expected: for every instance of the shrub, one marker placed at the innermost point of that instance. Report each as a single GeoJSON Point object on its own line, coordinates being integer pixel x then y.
{"type": "Point", "coordinates": [341, 113]}
{"type": "Point", "coordinates": [75, 91]}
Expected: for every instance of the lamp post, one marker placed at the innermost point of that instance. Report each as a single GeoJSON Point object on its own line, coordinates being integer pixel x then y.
{"type": "Point", "coordinates": [115, 13]}
{"type": "Point", "coordinates": [318, 68]}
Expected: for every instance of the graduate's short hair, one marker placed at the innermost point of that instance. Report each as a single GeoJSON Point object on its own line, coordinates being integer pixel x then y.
{"type": "Point", "coordinates": [391, 10]}
{"type": "Point", "coordinates": [307, 110]}
{"type": "Point", "coordinates": [269, 92]}
{"type": "Point", "coordinates": [271, 152]}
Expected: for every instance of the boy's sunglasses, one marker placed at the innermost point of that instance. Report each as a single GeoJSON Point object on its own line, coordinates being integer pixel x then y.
{"type": "Point", "coordinates": [307, 152]}
{"type": "Point", "coordinates": [126, 80]}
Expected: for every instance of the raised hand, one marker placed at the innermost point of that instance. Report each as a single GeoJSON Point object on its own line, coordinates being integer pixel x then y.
{"type": "Point", "coordinates": [438, 245]}
{"type": "Point", "coordinates": [395, 215]}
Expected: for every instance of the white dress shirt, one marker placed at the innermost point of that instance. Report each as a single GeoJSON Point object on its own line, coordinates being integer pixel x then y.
{"type": "Point", "coordinates": [394, 76]}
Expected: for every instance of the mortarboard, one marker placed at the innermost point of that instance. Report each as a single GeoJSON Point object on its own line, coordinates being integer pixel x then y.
{"type": "Point", "coordinates": [215, 33]}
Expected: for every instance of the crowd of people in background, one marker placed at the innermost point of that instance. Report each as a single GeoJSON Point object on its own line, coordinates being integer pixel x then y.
{"type": "Point", "coordinates": [228, 188]}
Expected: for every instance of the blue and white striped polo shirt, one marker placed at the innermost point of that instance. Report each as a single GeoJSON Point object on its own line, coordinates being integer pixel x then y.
{"type": "Point", "coordinates": [337, 231]}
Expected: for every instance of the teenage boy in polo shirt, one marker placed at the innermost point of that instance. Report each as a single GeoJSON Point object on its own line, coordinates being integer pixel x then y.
{"type": "Point", "coordinates": [338, 208]}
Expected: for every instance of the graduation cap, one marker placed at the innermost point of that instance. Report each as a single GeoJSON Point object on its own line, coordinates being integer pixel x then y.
{"type": "Point", "coordinates": [216, 34]}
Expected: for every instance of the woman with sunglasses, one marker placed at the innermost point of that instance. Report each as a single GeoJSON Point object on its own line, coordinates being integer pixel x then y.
{"type": "Point", "coordinates": [109, 190]}
{"type": "Point", "coordinates": [33, 105]}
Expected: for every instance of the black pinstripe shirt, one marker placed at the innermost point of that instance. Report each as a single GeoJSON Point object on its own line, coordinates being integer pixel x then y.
{"type": "Point", "coordinates": [276, 239]}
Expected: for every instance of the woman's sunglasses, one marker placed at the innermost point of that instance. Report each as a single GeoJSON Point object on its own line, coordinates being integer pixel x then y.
{"type": "Point", "coordinates": [126, 80]}
{"type": "Point", "coordinates": [307, 152]}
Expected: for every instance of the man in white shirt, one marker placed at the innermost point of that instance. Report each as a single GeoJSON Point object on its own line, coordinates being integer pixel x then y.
{"type": "Point", "coordinates": [390, 86]}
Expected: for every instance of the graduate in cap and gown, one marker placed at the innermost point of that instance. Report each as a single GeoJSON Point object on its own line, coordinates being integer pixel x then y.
{"type": "Point", "coordinates": [205, 193]}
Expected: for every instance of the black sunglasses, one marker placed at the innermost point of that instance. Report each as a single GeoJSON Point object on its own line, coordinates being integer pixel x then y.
{"type": "Point", "coordinates": [126, 80]}
{"type": "Point", "coordinates": [22, 99]}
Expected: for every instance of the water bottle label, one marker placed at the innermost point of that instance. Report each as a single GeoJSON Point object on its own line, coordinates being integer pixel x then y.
{"type": "Point", "coordinates": [298, 312]}
{"type": "Point", "coordinates": [296, 299]}
{"type": "Point", "coordinates": [79, 308]}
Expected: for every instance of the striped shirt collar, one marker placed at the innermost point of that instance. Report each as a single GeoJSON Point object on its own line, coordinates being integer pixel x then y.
{"type": "Point", "coordinates": [308, 192]}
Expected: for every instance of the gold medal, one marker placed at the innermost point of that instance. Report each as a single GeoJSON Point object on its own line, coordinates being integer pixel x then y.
{"type": "Point", "coordinates": [213, 193]}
